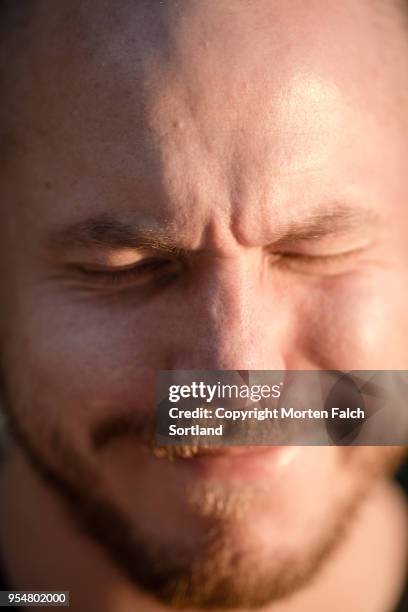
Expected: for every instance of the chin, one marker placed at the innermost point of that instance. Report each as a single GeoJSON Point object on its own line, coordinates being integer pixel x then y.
{"type": "Point", "coordinates": [223, 542]}
{"type": "Point", "coordinates": [214, 533]}
{"type": "Point", "coordinates": [238, 557]}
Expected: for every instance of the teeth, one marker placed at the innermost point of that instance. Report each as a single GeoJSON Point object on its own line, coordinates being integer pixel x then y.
{"type": "Point", "coordinates": [172, 452]}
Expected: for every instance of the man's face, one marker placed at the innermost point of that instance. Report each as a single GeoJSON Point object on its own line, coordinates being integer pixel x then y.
{"type": "Point", "coordinates": [201, 185]}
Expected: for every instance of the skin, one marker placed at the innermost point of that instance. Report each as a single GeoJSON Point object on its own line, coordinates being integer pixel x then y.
{"type": "Point", "coordinates": [223, 132]}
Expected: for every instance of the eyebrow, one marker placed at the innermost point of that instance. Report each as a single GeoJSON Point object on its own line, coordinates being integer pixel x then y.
{"type": "Point", "coordinates": [108, 232]}
{"type": "Point", "coordinates": [335, 220]}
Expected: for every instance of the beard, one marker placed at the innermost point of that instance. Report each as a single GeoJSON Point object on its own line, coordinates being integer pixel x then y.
{"type": "Point", "coordinates": [223, 569]}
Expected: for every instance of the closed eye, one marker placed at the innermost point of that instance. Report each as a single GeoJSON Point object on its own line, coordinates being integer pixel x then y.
{"type": "Point", "coordinates": [143, 272]}
{"type": "Point", "coordinates": [332, 263]}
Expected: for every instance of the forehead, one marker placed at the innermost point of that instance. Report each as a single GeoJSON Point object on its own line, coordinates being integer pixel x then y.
{"type": "Point", "coordinates": [170, 105]}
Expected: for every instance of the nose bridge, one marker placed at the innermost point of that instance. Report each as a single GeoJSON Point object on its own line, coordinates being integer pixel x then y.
{"type": "Point", "coordinates": [228, 328]}
{"type": "Point", "coordinates": [228, 303]}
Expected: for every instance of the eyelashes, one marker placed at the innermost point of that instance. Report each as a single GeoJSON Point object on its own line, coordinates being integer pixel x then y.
{"type": "Point", "coordinates": [142, 272]}
{"type": "Point", "coordinates": [319, 264]}
{"type": "Point", "coordinates": [158, 269]}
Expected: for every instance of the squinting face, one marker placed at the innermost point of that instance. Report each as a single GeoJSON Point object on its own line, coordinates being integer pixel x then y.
{"type": "Point", "coordinates": [201, 186]}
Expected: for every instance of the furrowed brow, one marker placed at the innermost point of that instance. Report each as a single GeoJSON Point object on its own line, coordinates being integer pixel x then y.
{"type": "Point", "coordinates": [108, 233]}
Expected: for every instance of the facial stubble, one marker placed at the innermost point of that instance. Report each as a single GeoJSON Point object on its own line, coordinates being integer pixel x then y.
{"type": "Point", "coordinates": [217, 573]}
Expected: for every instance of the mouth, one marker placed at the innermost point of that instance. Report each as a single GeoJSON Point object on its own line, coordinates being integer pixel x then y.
{"type": "Point", "coordinates": [191, 452]}
{"type": "Point", "coordinates": [221, 462]}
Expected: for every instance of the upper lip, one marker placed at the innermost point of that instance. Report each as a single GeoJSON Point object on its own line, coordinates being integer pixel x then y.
{"type": "Point", "coordinates": [190, 452]}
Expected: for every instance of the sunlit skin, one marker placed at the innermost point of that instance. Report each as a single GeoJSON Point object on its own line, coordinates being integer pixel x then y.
{"type": "Point", "coordinates": [201, 185]}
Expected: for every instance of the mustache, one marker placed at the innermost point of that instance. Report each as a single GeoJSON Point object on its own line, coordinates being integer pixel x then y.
{"type": "Point", "coordinates": [139, 429]}
{"type": "Point", "coordinates": [132, 425]}
{"type": "Point", "coordinates": [145, 427]}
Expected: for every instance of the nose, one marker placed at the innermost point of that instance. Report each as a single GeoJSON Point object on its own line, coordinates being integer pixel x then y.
{"type": "Point", "coordinates": [229, 320]}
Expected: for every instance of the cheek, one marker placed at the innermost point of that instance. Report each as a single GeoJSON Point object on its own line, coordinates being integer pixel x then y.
{"type": "Point", "coordinates": [356, 323]}
{"type": "Point", "coordinates": [67, 365]}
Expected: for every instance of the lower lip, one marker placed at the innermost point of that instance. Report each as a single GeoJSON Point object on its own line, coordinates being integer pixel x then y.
{"type": "Point", "coordinates": [239, 462]}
